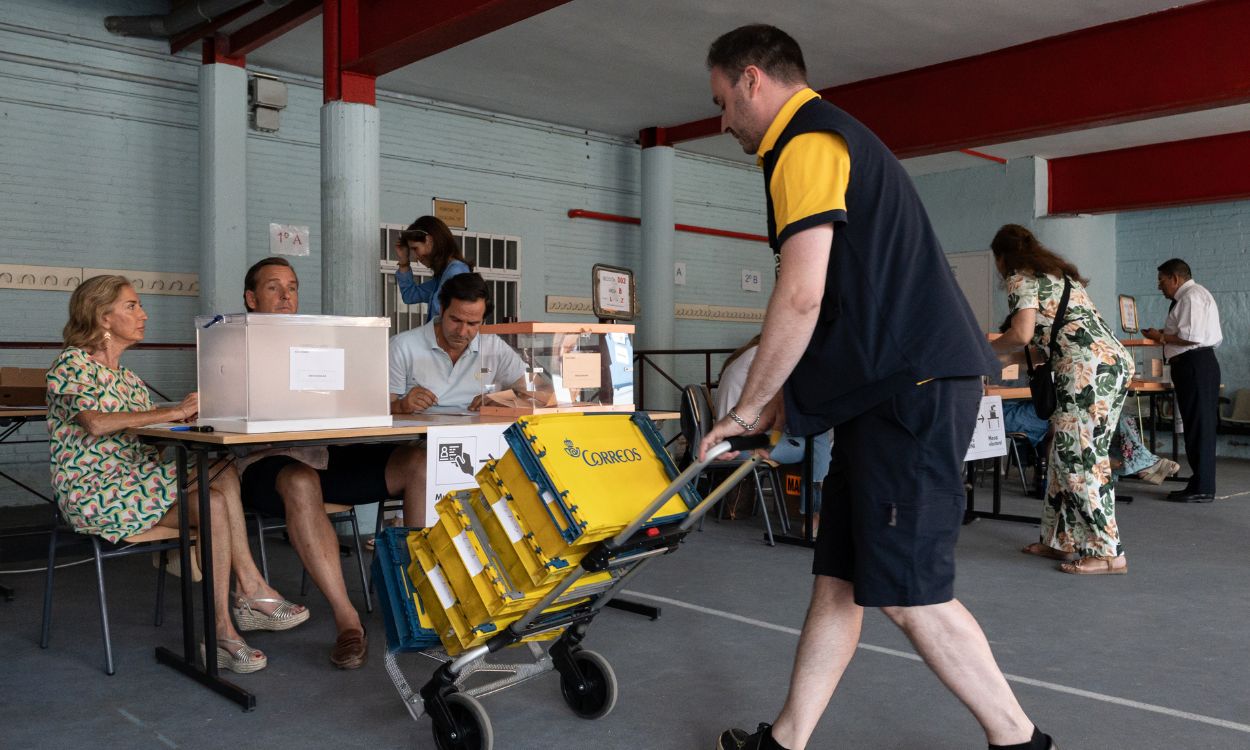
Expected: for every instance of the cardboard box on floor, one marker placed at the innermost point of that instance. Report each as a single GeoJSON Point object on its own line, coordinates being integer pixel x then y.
{"type": "Point", "coordinates": [23, 386]}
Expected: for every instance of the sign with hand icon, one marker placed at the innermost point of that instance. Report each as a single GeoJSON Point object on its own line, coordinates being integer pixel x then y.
{"type": "Point", "coordinates": [454, 455]}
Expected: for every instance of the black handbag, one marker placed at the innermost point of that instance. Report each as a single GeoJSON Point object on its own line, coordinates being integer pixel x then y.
{"type": "Point", "coordinates": [1042, 378]}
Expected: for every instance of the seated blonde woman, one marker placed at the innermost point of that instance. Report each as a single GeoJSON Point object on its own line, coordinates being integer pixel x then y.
{"type": "Point", "coordinates": [110, 484]}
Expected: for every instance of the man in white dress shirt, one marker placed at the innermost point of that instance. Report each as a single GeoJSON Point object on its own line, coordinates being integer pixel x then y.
{"type": "Point", "coordinates": [1189, 338]}
{"type": "Point", "coordinates": [441, 365]}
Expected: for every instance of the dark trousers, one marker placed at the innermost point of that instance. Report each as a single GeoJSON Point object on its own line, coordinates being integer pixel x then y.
{"type": "Point", "coordinates": [1196, 375]}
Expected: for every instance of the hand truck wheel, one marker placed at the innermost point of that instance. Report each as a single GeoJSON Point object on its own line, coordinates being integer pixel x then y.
{"type": "Point", "coordinates": [598, 696]}
{"type": "Point", "coordinates": [472, 729]}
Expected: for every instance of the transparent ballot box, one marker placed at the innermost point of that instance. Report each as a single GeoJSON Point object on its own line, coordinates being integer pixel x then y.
{"type": "Point", "coordinates": [558, 367]}
{"type": "Point", "coordinates": [274, 373]}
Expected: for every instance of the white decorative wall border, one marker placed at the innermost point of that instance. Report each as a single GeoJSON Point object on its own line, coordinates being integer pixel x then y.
{"type": "Point", "coordinates": [65, 279]}
{"type": "Point", "coordinates": [682, 311]}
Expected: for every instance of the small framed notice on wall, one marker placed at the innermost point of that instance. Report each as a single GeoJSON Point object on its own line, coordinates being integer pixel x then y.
{"type": "Point", "coordinates": [1128, 313]}
{"type": "Point", "coordinates": [614, 297]}
{"type": "Point", "coordinates": [455, 214]}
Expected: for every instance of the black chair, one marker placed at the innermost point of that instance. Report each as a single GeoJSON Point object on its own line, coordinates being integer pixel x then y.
{"type": "Point", "coordinates": [156, 539]}
{"type": "Point", "coordinates": [696, 421]}
{"type": "Point", "coordinates": [337, 513]}
{"type": "Point", "coordinates": [383, 507]}
{"type": "Point", "coordinates": [1015, 455]}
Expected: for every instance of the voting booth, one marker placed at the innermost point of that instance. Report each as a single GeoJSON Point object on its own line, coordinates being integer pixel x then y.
{"type": "Point", "coordinates": [274, 373]}
{"type": "Point", "coordinates": [564, 367]}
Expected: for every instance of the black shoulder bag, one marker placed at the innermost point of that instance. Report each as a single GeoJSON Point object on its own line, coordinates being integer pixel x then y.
{"type": "Point", "coordinates": [1042, 377]}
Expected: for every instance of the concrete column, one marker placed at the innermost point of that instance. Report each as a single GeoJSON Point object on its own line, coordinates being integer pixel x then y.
{"type": "Point", "coordinates": [350, 160]}
{"type": "Point", "coordinates": [1089, 242]}
{"type": "Point", "coordinates": [223, 187]}
{"type": "Point", "coordinates": [657, 327]}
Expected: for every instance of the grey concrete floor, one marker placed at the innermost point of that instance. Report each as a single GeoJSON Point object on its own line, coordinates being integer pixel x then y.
{"type": "Point", "coordinates": [1154, 659]}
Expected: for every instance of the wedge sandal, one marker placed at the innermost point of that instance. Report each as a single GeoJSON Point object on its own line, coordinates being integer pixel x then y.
{"type": "Point", "coordinates": [284, 616]}
{"type": "Point", "coordinates": [238, 657]}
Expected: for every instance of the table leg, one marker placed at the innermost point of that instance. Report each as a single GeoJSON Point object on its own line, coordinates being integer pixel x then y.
{"type": "Point", "coordinates": [1154, 423]}
{"type": "Point", "coordinates": [1175, 412]}
{"type": "Point", "coordinates": [971, 513]}
{"type": "Point", "coordinates": [187, 664]}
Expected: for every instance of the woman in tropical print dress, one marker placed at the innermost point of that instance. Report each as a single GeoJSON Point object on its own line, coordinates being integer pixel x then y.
{"type": "Point", "coordinates": [109, 484]}
{"type": "Point", "coordinates": [1092, 374]}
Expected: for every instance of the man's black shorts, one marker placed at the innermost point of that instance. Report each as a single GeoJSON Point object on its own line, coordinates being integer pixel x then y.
{"type": "Point", "coordinates": [355, 475]}
{"type": "Point", "coordinates": [892, 515]}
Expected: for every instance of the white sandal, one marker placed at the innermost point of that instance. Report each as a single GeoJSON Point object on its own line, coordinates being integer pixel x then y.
{"type": "Point", "coordinates": [283, 617]}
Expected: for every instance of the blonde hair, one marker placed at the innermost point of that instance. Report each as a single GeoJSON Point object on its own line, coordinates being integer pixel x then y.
{"type": "Point", "coordinates": [89, 301]}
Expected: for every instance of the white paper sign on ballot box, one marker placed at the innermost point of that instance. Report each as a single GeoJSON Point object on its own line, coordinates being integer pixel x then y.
{"type": "Point", "coordinates": [454, 454]}
{"type": "Point", "coordinates": [989, 439]}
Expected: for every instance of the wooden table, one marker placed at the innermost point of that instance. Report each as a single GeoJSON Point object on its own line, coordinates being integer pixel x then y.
{"type": "Point", "coordinates": [200, 446]}
{"type": "Point", "coordinates": [1153, 387]}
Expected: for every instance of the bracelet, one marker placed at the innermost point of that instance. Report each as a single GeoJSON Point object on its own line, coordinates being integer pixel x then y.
{"type": "Point", "coordinates": [733, 414]}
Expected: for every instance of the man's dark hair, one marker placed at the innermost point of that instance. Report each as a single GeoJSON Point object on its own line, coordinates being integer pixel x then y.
{"type": "Point", "coordinates": [1176, 267]}
{"type": "Point", "coordinates": [466, 287]}
{"type": "Point", "coordinates": [766, 47]}
{"type": "Point", "coordinates": [249, 281]}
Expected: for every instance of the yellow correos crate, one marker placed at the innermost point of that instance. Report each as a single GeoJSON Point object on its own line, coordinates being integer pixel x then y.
{"type": "Point", "coordinates": [518, 522]}
{"type": "Point", "coordinates": [448, 621]}
{"type": "Point", "coordinates": [495, 593]}
{"type": "Point", "coordinates": [435, 593]}
{"type": "Point", "coordinates": [592, 473]}
{"type": "Point", "coordinates": [470, 569]}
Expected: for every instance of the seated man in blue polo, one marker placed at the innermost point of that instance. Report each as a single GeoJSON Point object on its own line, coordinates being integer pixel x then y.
{"type": "Point", "coordinates": [441, 365]}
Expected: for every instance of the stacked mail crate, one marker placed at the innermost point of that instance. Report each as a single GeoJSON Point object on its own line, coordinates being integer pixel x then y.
{"type": "Point", "coordinates": [567, 482]}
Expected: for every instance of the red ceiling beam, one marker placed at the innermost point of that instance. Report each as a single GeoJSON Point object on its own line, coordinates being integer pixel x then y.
{"type": "Point", "coordinates": [263, 31]}
{"type": "Point", "coordinates": [208, 28]}
{"type": "Point", "coordinates": [395, 33]}
{"type": "Point", "coordinates": [213, 52]}
{"type": "Point", "coordinates": [1201, 170]}
{"type": "Point", "coordinates": [1181, 60]}
{"type": "Point", "coordinates": [340, 35]}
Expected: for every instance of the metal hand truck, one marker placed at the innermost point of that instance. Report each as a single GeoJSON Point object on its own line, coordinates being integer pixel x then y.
{"type": "Point", "coordinates": [587, 681]}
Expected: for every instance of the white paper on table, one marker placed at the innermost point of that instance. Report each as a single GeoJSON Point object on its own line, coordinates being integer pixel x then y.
{"type": "Point", "coordinates": [449, 411]}
{"type": "Point", "coordinates": [317, 368]}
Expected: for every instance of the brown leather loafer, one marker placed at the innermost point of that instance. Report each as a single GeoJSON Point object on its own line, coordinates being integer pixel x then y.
{"type": "Point", "coordinates": [350, 649]}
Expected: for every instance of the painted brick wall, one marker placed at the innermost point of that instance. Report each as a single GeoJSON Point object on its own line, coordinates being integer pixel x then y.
{"type": "Point", "coordinates": [100, 155]}
{"type": "Point", "coordinates": [1215, 241]}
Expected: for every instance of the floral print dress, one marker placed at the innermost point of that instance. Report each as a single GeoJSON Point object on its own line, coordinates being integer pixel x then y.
{"type": "Point", "coordinates": [112, 486]}
{"type": "Point", "coordinates": [1092, 374]}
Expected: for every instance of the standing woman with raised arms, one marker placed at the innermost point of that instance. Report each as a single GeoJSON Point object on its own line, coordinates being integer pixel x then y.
{"type": "Point", "coordinates": [429, 241]}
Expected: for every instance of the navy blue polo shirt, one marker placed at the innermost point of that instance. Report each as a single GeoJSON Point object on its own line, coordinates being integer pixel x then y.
{"type": "Point", "coordinates": [892, 316]}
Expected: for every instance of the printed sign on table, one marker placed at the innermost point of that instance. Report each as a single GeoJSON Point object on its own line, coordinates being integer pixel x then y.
{"type": "Point", "coordinates": [989, 439]}
{"type": "Point", "coordinates": [454, 454]}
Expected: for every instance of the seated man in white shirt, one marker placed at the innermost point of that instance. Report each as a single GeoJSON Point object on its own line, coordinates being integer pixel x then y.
{"type": "Point", "coordinates": [295, 483]}
{"type": "Point", "coordinates": [440, 365]}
